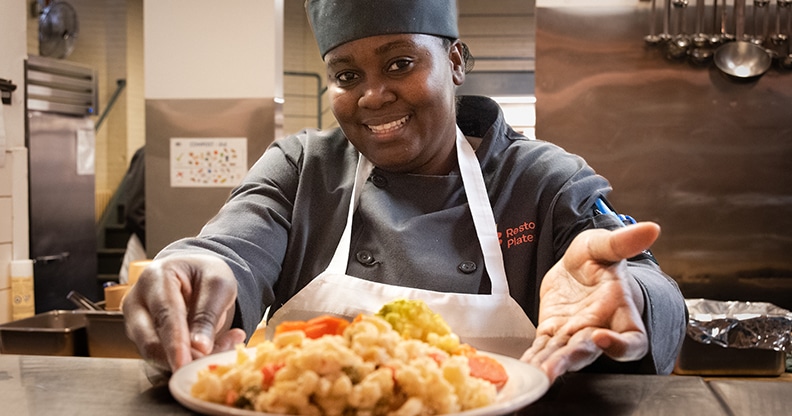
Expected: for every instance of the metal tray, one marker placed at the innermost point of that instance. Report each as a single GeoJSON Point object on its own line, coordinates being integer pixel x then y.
{"type": "Point", "coordinates": [697, 358]}
{"type": "Point", "coordinates": [50, 333]}
{"type": "Point", "coordinates": [107, 335]}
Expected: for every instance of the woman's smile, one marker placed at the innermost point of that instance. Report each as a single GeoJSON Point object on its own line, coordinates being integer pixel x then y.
{"type": "Point", "coordinates": [389, 126]}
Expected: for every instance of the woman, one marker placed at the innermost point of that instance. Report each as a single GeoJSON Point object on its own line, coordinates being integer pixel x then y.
{"type": "Point", "coordinates": [419, 194]}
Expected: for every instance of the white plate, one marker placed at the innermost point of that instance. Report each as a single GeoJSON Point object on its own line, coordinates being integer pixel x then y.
{"type": "Point", "coordinates": [526, 384]}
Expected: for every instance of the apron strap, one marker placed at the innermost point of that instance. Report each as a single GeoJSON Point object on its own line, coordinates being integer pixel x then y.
{"type": "Point", "coordinates": [481, 210]}
{"type": "Point", "coordinates": [338, 264]}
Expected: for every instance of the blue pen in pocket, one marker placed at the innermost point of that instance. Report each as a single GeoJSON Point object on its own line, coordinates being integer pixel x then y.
{"type": "Point", "coordinates": [601, 207]}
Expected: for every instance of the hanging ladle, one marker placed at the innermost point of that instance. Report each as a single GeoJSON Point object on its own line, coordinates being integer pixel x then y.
{"type": "Point", "coordinates": [741, 58]}
{"type": "Point", "coordinates": [678, 45]}
{"type": "Point", "coordinates": [760, 35]}
{"type": "Point", "coordinates": [785, 57]}
{"type": "Point", "coordinates": [701, 52]}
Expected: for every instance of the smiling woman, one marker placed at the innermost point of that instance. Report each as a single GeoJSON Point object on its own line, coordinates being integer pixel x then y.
{"type": "Point", "coordinates": [410, 199]}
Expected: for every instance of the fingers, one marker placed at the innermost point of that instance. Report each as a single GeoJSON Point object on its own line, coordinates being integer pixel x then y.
{"type": "Point", "coordinates": [622, 243]}
{"type": "Point", "coordinates": [223, 341]}
{"type": "Point", "coordinates": [213, 303]}
{"type": "Point", "coordinates": [229, 340]}
{"type": "Point", "coordinates": [169, 316]}
{"type": "Point", "coordinates": [559, 354]}
{"type": "Point", "coordinates": [625, 346]}
{"type": "Point", "coordinates": [537, 353]}
{"type": "Point", "coordinates": [177, 307]}
{"type": "Point", "coordinates": [152, 311]}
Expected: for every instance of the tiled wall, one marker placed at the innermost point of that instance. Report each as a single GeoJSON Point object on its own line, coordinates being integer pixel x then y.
{"type": "Point", "coordinates": [13, 221]}
{"type": "Point", "coordinates": [300, 54]}
{"type": "Point", "coordinates": [6, 216]}
{"type": "Point", "coordinates": [13, 155]}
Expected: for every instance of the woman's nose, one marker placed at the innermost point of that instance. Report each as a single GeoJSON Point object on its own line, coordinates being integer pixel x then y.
{"type": "Point", "coordinates": [376, 94]}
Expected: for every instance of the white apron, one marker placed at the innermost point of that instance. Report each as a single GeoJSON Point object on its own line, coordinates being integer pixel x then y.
{"type": "Point", "coordinates": [489, 322]}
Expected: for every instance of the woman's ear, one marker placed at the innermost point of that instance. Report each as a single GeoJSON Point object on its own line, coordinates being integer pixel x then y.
{"type": "Point", "coordinates": [456, 57]}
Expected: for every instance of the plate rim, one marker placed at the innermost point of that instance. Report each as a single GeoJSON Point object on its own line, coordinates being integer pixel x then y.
{"type": "Point", "coordinates": [518, 370]}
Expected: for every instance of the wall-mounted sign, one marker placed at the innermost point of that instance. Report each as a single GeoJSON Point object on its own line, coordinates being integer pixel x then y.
{"type": "Point", "coordinates": [207, 162]}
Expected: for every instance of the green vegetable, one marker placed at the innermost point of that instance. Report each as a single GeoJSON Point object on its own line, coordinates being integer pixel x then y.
{"type": "Point", "coordinates": [413, 319]}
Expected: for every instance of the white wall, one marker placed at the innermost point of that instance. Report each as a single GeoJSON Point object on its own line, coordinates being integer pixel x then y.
{"type": "Point", "coordinates": [200, 49]}
{"type": "Point", "coordinates": [13, 154]}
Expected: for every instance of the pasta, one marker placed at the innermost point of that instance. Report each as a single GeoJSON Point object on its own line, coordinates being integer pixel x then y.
{"type": "Point", "coordinates": [368, 369]}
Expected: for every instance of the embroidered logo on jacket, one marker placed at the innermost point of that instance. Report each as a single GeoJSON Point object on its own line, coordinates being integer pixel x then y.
{"type": "Point", "coordinates": [521, 234]}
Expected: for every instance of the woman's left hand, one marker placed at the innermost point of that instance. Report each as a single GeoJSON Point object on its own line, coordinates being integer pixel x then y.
{"type": "Point", "coordinates": [589, 303]}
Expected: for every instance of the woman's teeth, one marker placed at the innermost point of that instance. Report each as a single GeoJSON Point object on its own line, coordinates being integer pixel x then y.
{"type": "Point", "coordinates": [384, 128]}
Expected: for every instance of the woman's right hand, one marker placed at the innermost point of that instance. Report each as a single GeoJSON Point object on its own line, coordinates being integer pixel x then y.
{"type": "Point", "coordinates": [181, 309]}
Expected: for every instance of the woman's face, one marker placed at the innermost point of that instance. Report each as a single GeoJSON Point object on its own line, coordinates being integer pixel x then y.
{"type": "Point", "coordinates": [394, 98]}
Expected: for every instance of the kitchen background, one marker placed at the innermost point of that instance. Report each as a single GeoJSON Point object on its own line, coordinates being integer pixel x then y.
{"type": "Point", "coordinates": [705, 156]}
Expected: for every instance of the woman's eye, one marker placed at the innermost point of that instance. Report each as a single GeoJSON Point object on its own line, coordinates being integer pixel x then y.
{"type": "Point", "coordinates": [399, 65]}
{"type": "Point", "coordinates": [347, 76]}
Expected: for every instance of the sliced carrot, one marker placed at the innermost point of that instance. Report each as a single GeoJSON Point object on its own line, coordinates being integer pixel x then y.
{"type": "Point", "coordinates": [488, 368]}
{"type": "Point", "coordinates": [316, 327]}
{"type": "Point", "coordinates": [325, 325]}
{"type": "Point", "coordinates": [268, 374]}
{"type": "Point", "coordinates": [438, 357]}
{"type": "Point", "coordinates": [231, 397]}
{"type": "Point", "coordinates": [287, 326]}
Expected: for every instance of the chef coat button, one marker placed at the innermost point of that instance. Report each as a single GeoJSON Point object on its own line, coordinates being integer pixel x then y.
{"type": "Point", "coordinates": [365, 258]}
{"type": "Point", "coordinates": [467, 267]}
{"type": "Point", "coordinates": [379, 181]}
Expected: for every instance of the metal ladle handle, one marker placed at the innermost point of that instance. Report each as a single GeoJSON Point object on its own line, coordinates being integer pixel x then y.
{"type": "Point", "coordinates": [652, 38]}
{"type": "Point", "coordinates": [82, 302]}
{"type": "Point", "coordinates": [699, 16]}
{"type": "Point", "coordinates": [724, 20]}
{"type": "Point", "coordinates": [788, 11]}
{"type": "Point", "coordinates": [739, 19]}
{"type": "Point", "coordinates": [666, 19]}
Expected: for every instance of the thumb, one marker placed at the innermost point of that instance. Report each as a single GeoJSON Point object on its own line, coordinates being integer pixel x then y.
{"type": "Point", "coordinates": [202, 334]}
{"type": "Point", "coordinates": [213, 308]}
{"type": "Point", "coordinates": [209, 335]}
{"type": "Point", "coordinates": [228, 340]}
{"type": "Point", "coordinates": [623, 243]}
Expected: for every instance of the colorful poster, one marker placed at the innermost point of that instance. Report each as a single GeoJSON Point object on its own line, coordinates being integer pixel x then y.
{"type": "Point", "coordinates": [207, 162]}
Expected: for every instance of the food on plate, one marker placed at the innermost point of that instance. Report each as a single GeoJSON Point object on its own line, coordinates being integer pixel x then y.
{"type": "Point", "coordinates": [316, 327]}
{"type": "Point", "coordinates": [415, 320]}
{"type": "Point", "coordinates": [329, 366]}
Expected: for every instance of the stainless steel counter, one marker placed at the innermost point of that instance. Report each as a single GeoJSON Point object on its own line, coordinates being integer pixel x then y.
{"type": "Point", "coordinates": [49, 385]}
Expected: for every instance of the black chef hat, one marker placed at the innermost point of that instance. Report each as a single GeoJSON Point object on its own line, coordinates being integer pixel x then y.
{"type": "Point", "coordinates": [339, 21]}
